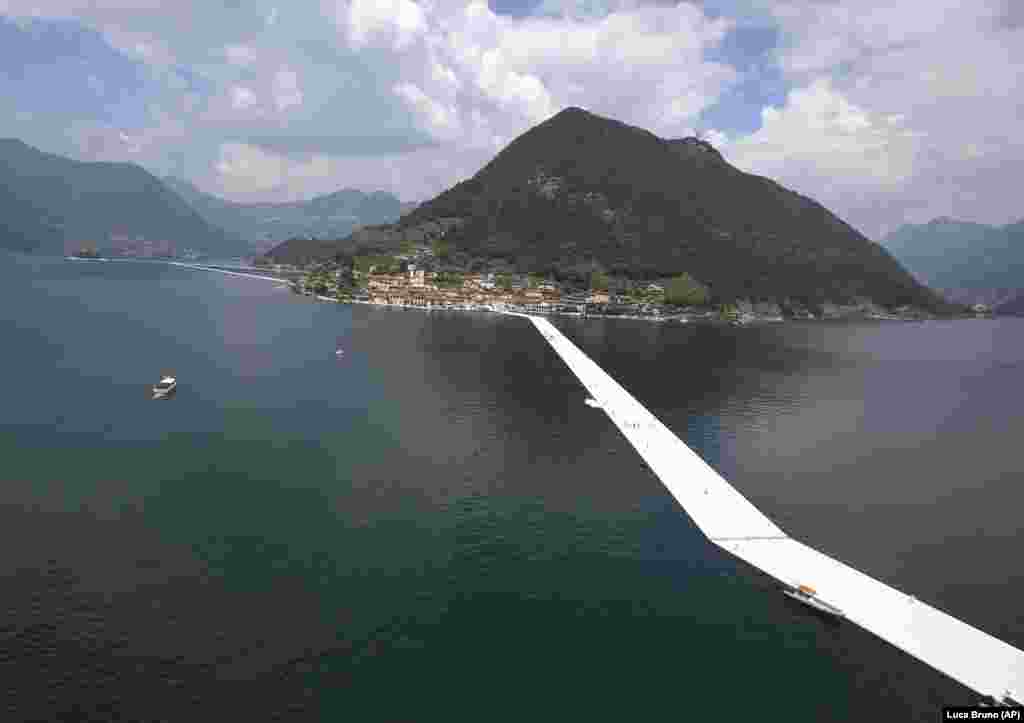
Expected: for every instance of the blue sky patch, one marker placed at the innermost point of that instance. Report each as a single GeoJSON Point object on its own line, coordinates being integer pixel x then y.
{"type": "Point", "coordinates": [749, 49]}
{"type": "Point", "coordinates": [65, 69]}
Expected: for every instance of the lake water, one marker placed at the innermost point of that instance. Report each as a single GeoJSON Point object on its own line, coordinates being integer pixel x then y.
{"type": "Point", "coordinates": [436, 527]}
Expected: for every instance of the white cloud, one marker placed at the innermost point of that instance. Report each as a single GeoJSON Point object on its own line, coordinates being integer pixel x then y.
{"type": "Point", "coordinates": [242, 55]}
{"type": "Point", "coordinates": [468, 78]}
{"type": "Point", "coordinates": [130, 145]}
{"type": "Point", "coordinates": [820, 134]}
{"type": "Point", "coordinates": [442, 121]}
{"type": "Point", "coordinates": [249, 173]}
{"type": "Point", "coordinates": [140, 44]}
{"type": "Point", "coordinates": [826, 35]}
{"type": "Point", "coordinates": [105, 142]}
{"type": "Point", "coordinates": [391, 22]}
{"type": "Point", "coordinates": [927, 95]}
{"type": "Point", "coordinates": [243, 169]}
{"type": "Point", "coordinates": [287, 93]}
{"type": "Point", "coordinates": [471, 76]}
{"type": "Point", "coordinates": [242, 98]}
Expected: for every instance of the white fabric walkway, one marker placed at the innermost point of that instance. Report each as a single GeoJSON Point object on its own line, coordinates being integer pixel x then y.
{"type": "Point", "coordinates": [199, 267]}
{"type": "Point", "coordinates": [970, 656]}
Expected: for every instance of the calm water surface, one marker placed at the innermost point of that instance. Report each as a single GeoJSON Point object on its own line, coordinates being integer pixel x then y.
{"type": "Point", "coordinates": [435, 527]}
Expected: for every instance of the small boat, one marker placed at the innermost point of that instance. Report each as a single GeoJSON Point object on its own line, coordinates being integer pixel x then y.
{"type": "Point", "coordinates": [339, 352]}
{"type": "Point", "coordinates": [591, 402]}
{"type": "Point", "coordinates": [164, 387]}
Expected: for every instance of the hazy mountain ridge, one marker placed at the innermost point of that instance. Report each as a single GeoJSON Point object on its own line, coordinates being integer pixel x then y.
{"type": "Point", "coordinates": [969, 262]}
{"type": "Point", "coordinates": [580, 191]}
{"type": "Point", "coordinates": [54, 204]}
{"type": "Point", "coordinates": [263, 225]}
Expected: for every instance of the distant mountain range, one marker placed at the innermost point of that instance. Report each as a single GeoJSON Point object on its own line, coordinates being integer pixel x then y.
{"type": "Point", "coordinates": [968, 262]}
{"type": "Point", "coordinates": [53, 204]}
{"type": "Point", "coordinates": [580, 192]}
{"type": "Point", "coordinates": [264, 225]}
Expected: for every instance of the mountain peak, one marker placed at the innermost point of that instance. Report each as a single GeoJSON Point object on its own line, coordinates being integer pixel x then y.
{"type": "Point", "coordinates": [573, 110]}
{"type": "Point", "coordinates": [580, 189]}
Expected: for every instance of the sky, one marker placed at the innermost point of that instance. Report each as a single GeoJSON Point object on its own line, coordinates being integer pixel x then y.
{"type": "Point", "coordinates": [885, 112]}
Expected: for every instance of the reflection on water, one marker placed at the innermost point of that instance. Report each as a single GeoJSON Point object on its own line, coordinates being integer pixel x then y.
{"type": "Point", "coordinates": [293, 535]}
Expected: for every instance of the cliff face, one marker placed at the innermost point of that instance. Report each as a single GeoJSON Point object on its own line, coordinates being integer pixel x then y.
{"type": "Point", "coordinates": [580, 191]}
{"type": "Point", "coordinates": [50, 203]}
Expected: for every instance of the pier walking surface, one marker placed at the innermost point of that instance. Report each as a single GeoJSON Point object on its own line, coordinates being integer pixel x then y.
{"type": "Point", "coordinates": [973, 657]}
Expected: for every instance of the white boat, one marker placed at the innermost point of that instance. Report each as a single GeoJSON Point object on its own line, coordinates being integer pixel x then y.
{"type": "Point", "coordinates": [591, 402]}
{"type": "Point", "coordinates": [165, 386]}
{"type": "Point", "coordinates": [339, 353]}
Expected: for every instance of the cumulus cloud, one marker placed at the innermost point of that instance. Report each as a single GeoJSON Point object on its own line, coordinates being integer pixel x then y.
{"type": "Point", "coordinates": [450, 71]}
{"type": "Point", "coordinates": [441, 121]}
{"type": "Point", "coordinates": [930, 94]}
{"type": "Point", "coordinates": [393, 22]}
{"type": "Point", "coordinates": [471, 76]}
{"type": "Point", "coordinates": [819, 134]}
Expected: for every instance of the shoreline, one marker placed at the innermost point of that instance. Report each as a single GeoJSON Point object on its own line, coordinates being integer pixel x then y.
{"type": "Point", "coordinates": [705, 318]}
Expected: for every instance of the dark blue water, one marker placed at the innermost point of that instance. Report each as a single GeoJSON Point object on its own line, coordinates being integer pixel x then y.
{"type": "Point", "coordinates": [435, 527]}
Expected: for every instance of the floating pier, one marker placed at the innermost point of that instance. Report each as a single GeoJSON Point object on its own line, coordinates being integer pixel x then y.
{"type": "Point", "coordinates": [200, 267]}
{"type": "Point", "coordinates": [968, 655]}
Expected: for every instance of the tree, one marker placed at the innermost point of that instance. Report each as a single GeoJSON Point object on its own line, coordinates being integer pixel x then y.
{"type": "Point", "coordinates": [503, 281]}
{"type": "Point", "coordinates": [441, 248]}
{"type": "Point", "coordinates": [380, 264]}
{"type": "Point", "coordinates": [684, 290]}
{"type": "Point", "coordinates": [534, 280]}
{"type": "Point", "coordinates": [448, 279]}
{"type": "Point", "coordinates": [599, 281]}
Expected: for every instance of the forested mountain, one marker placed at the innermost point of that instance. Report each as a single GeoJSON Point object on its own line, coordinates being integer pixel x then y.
{"type": "Point", "coordinates": [580, 192]}
{"type": "Point", "coordinates": [53, 204]}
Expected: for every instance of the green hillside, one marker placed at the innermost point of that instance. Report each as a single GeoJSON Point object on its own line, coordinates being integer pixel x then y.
{"type": "Point", "coordinates": [51, 204]}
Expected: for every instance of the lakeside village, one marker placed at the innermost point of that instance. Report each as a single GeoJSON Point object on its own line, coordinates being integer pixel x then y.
{"type": "Point", "coordinates": [409, 281]}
